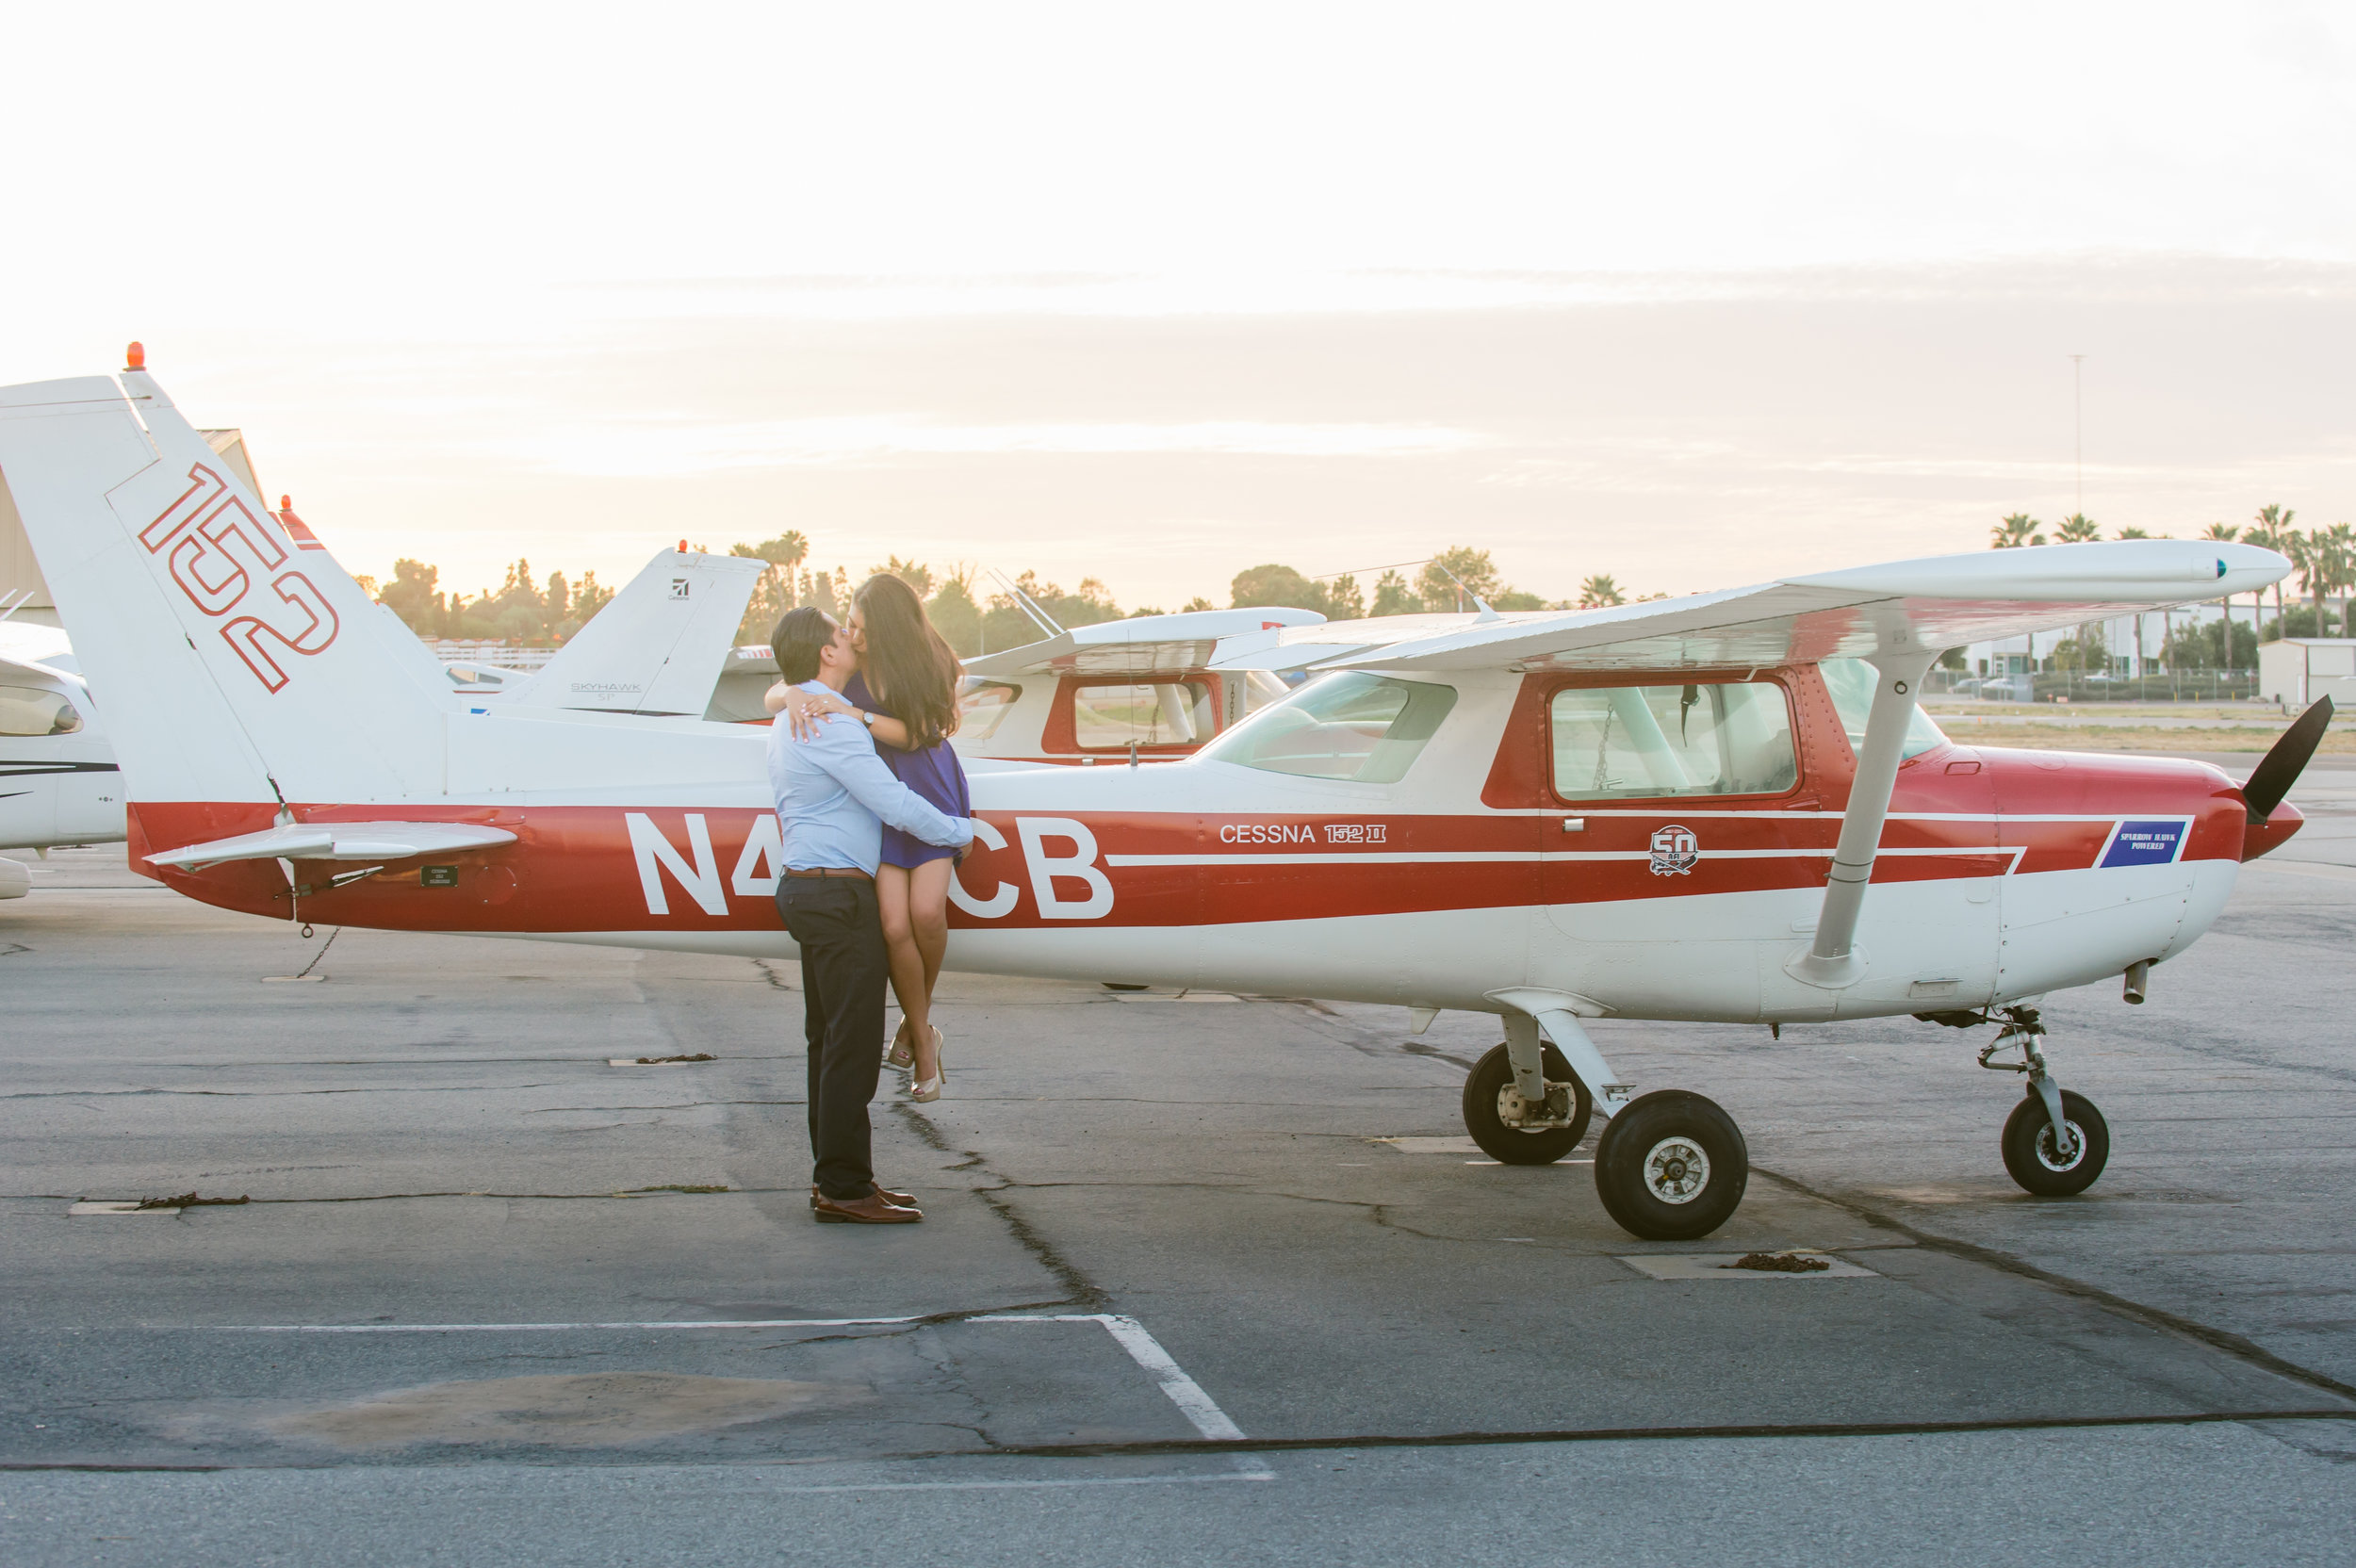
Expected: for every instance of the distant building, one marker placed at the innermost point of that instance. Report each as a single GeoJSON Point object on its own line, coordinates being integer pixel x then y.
{"type": "Point", "coordinates": [2298, 670]}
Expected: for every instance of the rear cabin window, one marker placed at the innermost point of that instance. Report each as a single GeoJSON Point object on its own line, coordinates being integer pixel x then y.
{"type": "Point", "coordinates": [1619, 741]}
{"type": "Point", "coordinates": [1114, 716]}
{"type": "Point", "coordinates": [983, 705]}
{"type": "Point", "coordinates": [1366, 728]}
{"type": "Point", "coordinates": [34, 711]}
{"type": "Point", "coordinates": [1851, 683]}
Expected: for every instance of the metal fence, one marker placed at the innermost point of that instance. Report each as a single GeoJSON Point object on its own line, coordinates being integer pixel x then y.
{"type": "Point", "coordinates": [2076, 686]}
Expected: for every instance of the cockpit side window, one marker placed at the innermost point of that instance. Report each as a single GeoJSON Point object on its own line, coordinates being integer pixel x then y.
{"type": "Point", "coordinates": [1850, 681]}
{"type": "Point", "coordinates": [1728, 738]}
{"type": "Point", "coordinates": [37, 711]}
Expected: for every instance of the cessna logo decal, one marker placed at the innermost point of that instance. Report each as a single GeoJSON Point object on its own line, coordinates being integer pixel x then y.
{"type": "Point", "coordinates": [217, 551]}
{"type": "Point", "coordinates": [1674, 850]}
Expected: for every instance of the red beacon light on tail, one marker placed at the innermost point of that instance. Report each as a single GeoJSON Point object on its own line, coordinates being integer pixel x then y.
{"type": "Point", "coordinates": [134, 357]}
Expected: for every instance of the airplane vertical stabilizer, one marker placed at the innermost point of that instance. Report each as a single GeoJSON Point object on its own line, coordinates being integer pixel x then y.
{"type": "Point", "coordinates": [659, 647]}
{"type": "Point", "coordinates": [230, 667]}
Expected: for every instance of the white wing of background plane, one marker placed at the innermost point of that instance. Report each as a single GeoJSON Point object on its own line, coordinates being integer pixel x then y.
{"type": "Point", "coordinates": [1938, 602]}
{"type": "Point", "coordinates": [1294, 648]}
{"type": "Point", "coordinates": [658, 649]}
{"type": "Point", "coordinates": [1142, 643]}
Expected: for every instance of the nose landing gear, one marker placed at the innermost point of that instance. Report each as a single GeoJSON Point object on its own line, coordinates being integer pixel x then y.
{"type": "Point", "coordinates": [2056, 1142]}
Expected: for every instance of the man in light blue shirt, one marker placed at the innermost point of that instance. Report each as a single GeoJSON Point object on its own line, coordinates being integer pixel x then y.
{"type": "Point", "coordinates": [834, 794]}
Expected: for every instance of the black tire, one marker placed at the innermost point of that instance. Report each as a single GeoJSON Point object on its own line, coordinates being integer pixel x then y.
{"type": "Point", "coordinates": [1491, 1078]}
{"type": "Point", "coordinates": [1649, 1133]}
{"type": "Point", "coordinates": [2029, 1146]}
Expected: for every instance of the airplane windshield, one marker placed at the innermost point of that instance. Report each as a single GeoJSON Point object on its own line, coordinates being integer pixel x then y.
{"type": "Point", "coordinates": [35, 710]}
{"type": "Point", "coordinates": [983, 705]}
{"type": "Point", "coordinates": [1732, 738]}
{"type": "Point", "coordinates": [1363, 727]}
{"type": "Point", "coordinates": [1851, 683]}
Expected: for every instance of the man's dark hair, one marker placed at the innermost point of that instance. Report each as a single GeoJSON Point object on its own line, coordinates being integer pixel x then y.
{"type": "Point", "coordinates": [800, 634]}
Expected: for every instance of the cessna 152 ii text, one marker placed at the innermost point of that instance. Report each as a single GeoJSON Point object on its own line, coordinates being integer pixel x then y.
{"type": "Point", "coordinates": [1723, 808]}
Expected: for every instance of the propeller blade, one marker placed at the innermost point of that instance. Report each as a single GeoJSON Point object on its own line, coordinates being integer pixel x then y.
{"type": "Point", "coordinates": [2272, 778]}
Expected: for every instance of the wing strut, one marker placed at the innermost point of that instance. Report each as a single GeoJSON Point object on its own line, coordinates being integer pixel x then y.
{"type": "Point", "coordinates": [1832, 961]}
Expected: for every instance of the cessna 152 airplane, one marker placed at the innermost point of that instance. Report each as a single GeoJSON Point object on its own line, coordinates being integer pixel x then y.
{"type": "Point", "coordinates": [1723, 808]}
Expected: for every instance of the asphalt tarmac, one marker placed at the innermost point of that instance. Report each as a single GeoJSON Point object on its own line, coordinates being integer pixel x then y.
{"type": "Point", "coordinates": [1203, 1279]}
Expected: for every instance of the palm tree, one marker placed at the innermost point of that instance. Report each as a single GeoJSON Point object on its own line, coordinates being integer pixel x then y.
{"type": "Point", "coordinates": [2017, 532]}
{"type": "Point", "coordinates": [2227, 533]}
{"type": "Point", "coordinates": [773, 596]}
{"type": "Point", "coordinates": [2076, 529]}
{"type": "Point", "coordinates": [2340, 549]}
{"type": "Point", "coordinates": [1599, 592]}
{"type": "Point", "coordinates": [2271, 532]}
{"type": "Point", "coordinates": [2311, 553]}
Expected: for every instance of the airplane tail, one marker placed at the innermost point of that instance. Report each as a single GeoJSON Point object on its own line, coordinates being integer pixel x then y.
{"type": "Point", "coordinates": [232, 664]}
{"type": "Point", "coordinates": [659, 647]}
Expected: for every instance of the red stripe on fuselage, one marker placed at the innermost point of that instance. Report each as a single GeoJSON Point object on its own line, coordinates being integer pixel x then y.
{"type": "Point", "coordinates": [575, 868]}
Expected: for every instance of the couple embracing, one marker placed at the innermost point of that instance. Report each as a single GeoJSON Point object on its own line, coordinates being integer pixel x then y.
{"type": "Point", "coordinates": [873, 804]}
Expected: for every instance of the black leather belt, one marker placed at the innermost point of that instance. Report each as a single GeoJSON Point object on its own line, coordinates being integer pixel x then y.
{"type": "Point", "coordinates": [831, 871]}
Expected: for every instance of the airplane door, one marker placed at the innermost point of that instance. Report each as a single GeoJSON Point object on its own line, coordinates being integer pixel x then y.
{"type": "Point", "coordinates": [1677, 831]}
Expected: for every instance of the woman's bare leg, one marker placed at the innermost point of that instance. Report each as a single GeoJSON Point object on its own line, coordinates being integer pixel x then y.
{"type": "Point", "coordinates": [928, 913]}
{"type": "Point", "coordinates": [909, 980]}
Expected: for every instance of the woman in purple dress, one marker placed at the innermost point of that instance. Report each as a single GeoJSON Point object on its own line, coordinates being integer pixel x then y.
{"type": "Point", "coordinates": [907, 682]}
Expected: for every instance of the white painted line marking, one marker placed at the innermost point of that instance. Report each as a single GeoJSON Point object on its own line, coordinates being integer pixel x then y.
{"type": "Point", "coordinates": [1431, 1146]}
{"type": "Point", "coordinates": [551, 1328]}
{"type": "Point", "coordinates": [1239, 1474]}
{"type": "Point", "coordinates": [108, 1207]}
{"type": "Point", "coordinates": [1706, 1266]}
{"type": "Point", "coordinates": [1195, 1405]}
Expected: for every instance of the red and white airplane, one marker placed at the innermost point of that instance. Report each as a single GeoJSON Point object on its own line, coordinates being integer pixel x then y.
{"type": "Point", "coordinates": [1721, 808]}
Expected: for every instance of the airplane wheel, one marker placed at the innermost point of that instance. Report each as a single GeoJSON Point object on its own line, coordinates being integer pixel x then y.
{"type": "Point", "coordinates": [1491, 1095]}
{"type": "Point", "coordinates": [2029, 1146]}
{"type": "Point", "coordinates": [1671, 1167]}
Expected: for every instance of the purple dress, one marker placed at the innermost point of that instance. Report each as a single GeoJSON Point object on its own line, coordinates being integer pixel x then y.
{"type": "Point", "coordinates": [934, 774]}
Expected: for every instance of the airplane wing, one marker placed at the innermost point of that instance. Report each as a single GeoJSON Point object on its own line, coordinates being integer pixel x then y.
{"type": "Point", "coordinates": [1293, 647]}
{"type": "Point", "coordinates": [1182, 642]}
{"type": "Point", "coordinates": [658, 649]}
{"type": "Point", "coordinates": [1936, 602]}
{"type": "Point", "coordinates": [337, 841]}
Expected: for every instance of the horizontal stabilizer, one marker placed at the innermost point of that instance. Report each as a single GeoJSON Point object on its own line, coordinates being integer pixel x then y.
{"type": "Point", "coordinates": [337, 841]}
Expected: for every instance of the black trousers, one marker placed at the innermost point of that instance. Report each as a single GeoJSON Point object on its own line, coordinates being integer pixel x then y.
{"type": "Point", "coordinates": [835, 922]}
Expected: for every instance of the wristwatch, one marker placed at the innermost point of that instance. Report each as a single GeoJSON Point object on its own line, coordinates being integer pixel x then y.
{"type": "Point", "coordinates": [867, 717]}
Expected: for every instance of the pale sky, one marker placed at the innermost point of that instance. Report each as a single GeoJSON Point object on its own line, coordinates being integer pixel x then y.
{"type": "Point", "coordinates": [1690, 295]}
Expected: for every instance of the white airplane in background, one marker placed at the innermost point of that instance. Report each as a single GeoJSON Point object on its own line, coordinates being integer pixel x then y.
{"type": "Point", "coordinates": [1724, 808]}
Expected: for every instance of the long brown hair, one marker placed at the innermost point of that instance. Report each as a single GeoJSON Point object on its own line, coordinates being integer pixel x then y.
{"type": "Point", "coordinates": [909, 667]}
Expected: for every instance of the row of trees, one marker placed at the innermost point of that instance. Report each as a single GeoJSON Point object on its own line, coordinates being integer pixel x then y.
{"type": "Point", "coordinates": [975, 619]}
{"type": "Point", "coordinates": [1452, 579]}
{"type": "Point", "coordinates": [534, 615]}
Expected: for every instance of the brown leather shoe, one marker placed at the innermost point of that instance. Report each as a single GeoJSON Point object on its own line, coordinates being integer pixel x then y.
{"type": "Point", "coordinates": [870, 1210]}
{"type": "Point", "coordinates": [899, 1200]}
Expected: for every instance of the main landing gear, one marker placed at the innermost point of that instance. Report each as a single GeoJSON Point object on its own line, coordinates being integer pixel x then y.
{"type": "Point", "coordinates": [1670, 1166]}
{"type": "Point", "coordinates": [2056, 1142]}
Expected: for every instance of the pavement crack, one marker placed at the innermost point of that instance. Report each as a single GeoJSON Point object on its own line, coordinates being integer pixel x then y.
{"type": "Point", "coordinates": [1082, 1291]}
{"type": "Point", "coordinates": [2236, 1345]}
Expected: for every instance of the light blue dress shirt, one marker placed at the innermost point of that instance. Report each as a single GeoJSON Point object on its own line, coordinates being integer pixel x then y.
{"type": "Point", "coordinates": [834, 794]}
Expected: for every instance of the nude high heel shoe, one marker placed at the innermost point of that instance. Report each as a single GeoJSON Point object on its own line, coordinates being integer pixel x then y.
{"type": "Point", "coordinates": [900, 1055]}
{"type": "Point", "coordinates": [929, 1090]}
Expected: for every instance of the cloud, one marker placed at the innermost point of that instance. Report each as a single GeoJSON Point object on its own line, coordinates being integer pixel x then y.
{"type": "Point", "coordinates": [659, 447]}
